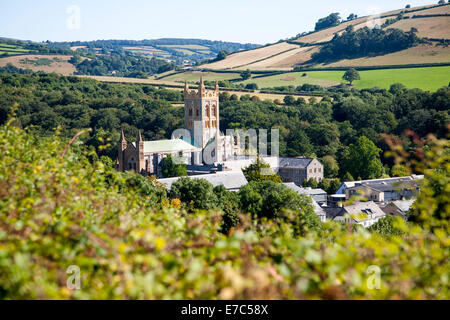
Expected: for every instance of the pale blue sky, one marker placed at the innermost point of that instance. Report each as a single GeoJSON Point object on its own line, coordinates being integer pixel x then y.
{"type": "Point", "coordinates": [254, 21]}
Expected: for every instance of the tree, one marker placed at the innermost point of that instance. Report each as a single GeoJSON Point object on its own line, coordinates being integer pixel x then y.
{"type": "Point", "coordinates": [260, 171]}
{"type": "Point", "coordinates": [289, 100]}
{"type": "Point", "coordinates": [245, 75]}
{"type": "Point", "coordinates": [228, 202]}
{"type": "Point", "coordinates": [251, 86]}
{"type": "Point", "coordinates": [363, 159]}
{"type": "Point", "coordinates": [195, 193]}
{"type": "Point", "coordinates": [352, 16]}
{"type": "Point", "coordinates": [351, 75]}
{"type": "Point", "coordinates": [310, 183]}
{"type": "Point", "coordinates": [330, 21]}
{"type": "Point", "coordinates": [172, 169]}
{"type": "Point", "coordinates": [330, 167]}
{"type": "Point", "coordinates": [386, 226]}
{"type": "Point", "coordinates": [222, 55]}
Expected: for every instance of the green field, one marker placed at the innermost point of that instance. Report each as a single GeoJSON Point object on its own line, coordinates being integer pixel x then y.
{"type": "Point", "coordinates": [429, 78]}
{"type": "Point", "coordinates": [12, 50]}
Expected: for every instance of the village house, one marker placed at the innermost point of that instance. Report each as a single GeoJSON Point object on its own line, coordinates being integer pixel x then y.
{"type": "Point", "coordinates": [384, 191]}
{"type": "Point", "coordinates": [363, 213]}
{"type": "Point", "coordinates": [297, 170]}
{"type": "Point", "coordinates": [398, 208]}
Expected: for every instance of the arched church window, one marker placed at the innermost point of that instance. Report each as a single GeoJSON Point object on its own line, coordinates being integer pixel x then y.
{"type": "Point", "coordinates": [197, 112]}
{"type": "Point", "coordinates": [214, 112]}
{"type": "Point", "coordinates": [207, 110]}
{"type": "Point", "coordinates": [131, 164]}
{"type": "Point", "coordinates": [190, 112]}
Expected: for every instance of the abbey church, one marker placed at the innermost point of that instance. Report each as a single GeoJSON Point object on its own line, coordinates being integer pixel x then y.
{"type": "Point", "coordinates": [201, 143]}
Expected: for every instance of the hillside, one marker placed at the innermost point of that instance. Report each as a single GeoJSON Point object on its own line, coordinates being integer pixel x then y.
{"type": "Point", "coordinates": [432, 22]}
{"type": "Point", "coordinates": [173, 49]}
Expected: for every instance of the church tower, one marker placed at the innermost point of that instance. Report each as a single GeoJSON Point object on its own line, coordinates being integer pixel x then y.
{"type": "Point", "coordinates": [201, 109]}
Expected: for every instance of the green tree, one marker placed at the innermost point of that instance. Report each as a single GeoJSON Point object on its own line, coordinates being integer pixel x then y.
{"type": "Point", "coordinates": [351, 75]}
{"type": "Point", "coordinates": [363, 159]}
{"type": "Point", "coordinates": [289, 100]}
{"type": "Point", "coordinates": [330, 167]}
{"type": "Point", "coordinates": [386, 226]}
{"type": "Point", "coordinates": [330, 21]}
{"type": "Point", "coordinates": [171, 168]}
{"type": "Point", "coordinates": [222, 55]}
{"type": "Point", "coordinates": [228, 202]}
{"type": "Point", "coordinates": [245, 75]}
{"type": "Point", "coordinates": [195, 193]}
{"type": "Point", "coordinates": [260, 171]}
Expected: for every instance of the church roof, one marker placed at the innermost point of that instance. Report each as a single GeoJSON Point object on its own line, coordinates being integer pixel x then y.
{"type": "Point", "coordinates": [159, 146]}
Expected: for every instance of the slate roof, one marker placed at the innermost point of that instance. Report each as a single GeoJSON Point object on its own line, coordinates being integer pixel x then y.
{"type": "Point", "coordinates": [366, 208]}
{"type": "Point", "coordinates": [231, 180]}
{"type": "Point", "coordinates": [294, 162]}
{"type": "Point", "coordinates": [392, 185]}
{"type": "Point", "coordinates": [351, 184]}
{"type": "Point", "coordinates": [173, 145]}
{"type": "Point", "coordinates": [403, 205]}
{"type": "Point", "coordinates": [359, 211]}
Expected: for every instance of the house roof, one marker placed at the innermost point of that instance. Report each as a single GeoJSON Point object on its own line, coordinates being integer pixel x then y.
{"type": "Point", "coordinates": [307, 191]}
{"type": "Point", "coordinates": [387, 186]}
{"type": "Point", "coordinates": [173, 145]}
{"type": "Point", "coordinates": [361, 211]}
{"type": "Point", "coordinates": [294, 162]}
{"type": "Point", "coordinates": [403, 205]}
{"type": "Point", "coordinates": [231, 180]}
{"type": "Point", "coordinates": [351, 184]}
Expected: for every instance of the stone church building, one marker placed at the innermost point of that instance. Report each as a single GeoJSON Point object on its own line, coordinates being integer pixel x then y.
{"type": "Point", "coordinates": [202, 143]}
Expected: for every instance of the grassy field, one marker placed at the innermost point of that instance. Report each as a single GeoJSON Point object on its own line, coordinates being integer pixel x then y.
{"type": "Point", "coordinates": [195, 76]}
{"type": "Point", "coordinates": [431, 78]}
{"type": "Point", "coordinates": [292, 79]}
{"type": "Point", "coordinates": [12, 50]}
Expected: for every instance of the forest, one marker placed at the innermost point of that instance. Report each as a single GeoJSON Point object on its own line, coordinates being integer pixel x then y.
{"type": "Point", "coordinates": [365, 42]}
{"type": "Point", "coordinates": [326, 129]}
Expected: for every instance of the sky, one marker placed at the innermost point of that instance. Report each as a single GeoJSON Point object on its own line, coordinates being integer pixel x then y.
{"type": "Point", "coordinates": [245, 21]}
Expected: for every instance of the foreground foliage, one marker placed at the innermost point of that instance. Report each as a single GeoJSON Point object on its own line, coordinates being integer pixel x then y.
{"type": "Point", "coordinates": [56, 212]}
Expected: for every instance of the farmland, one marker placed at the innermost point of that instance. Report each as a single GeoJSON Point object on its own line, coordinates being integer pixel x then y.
{"type": "Point", "coordinates": [285, 55]}
{"type": "Point", "coordinates": [194, 76]}
{"type": "Point", "coordinates": [12, 50]}
{"type": "Point", "coordinates": [430, 78]}
{"type": "Point", "coordinates": [46, 63]}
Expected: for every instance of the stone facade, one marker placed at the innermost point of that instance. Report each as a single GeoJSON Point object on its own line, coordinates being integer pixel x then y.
{"type": "Point", "coordinates": [299, 169]}
{"type": "Point", "coordinates": [205, 145]}
{"type": "Point", "coordinates": [202, 120]}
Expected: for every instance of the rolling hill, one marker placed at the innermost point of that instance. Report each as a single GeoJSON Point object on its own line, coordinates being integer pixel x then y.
{"type": "Point", "coordinates": [432, 22]}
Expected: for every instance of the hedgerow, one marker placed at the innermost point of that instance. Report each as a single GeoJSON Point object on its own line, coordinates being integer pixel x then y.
{"type": "Point", "coordinates": [57, 212]}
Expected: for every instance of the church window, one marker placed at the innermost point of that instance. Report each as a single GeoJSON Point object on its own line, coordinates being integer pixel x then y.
{"type": "Point", "coordinates": [197, 112]}
{"type": "Point", "coordinates": [214, 113]}
{"type": "Point", "coordinates": [190, 112]}
{"type": "Point", "coordinates": [207, 111]}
